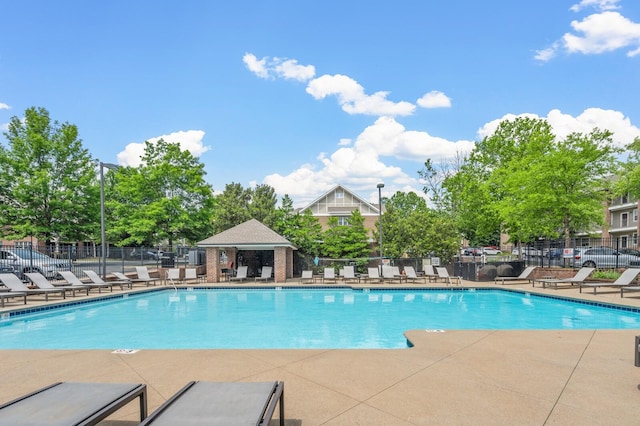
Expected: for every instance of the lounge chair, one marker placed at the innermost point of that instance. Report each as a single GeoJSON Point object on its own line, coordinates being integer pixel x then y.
{"type": "Point", "coordinates": [72, 403]}
{"type": "Point", "coordinates": [11, 294]}
{"type": "Point", "coordinates": [524, 276]}
{"type": "Point", "coordinates": [14, 284]}
{"type": "Point", "coordinates": [97, 281]}
{"type": "Point", "coordinates": [443, 274]}
{"type": "Point", "coordinates": [625, 279]}
{"type": "Point", "coordinates": [173, 275]}
{"type": "Point", "coordinates": [241, 274]}
{"type": "Point", "coordinates": [373, 275]}
{"type": "Point", "coordinates": [143, 276]}
{"type": "Point", "coordinates": [349, 274]}
{"type": "Point", "coordinates": [430, 273]}
{"type": "Point", "coordinates": [265, 274]}
{"type": "Point", "coordinates": [43, 283]}
{"type": "Point", "coordinates": [122, 277]}
{"type": "Point", "coordinates": [191, 274]}
{"type": "Point", "coordinates": [410, 275]}
{"type": "Point", "coordinates": [329, 275]}
{"type": "Point", "coordinates": [221, 403]}
{"type": "Point", "coordinates": [73, 280]}
{"type": "Point", "coordinates": [578, 278]}
{"type": "Point", "coordinates": [307, 277]}
{"type": "Point", "coordinates": [389, 274]}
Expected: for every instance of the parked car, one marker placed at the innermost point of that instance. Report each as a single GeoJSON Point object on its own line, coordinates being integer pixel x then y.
{"type": "Point", "coordinates": [603, 257]}
{"type": "Point", "coordinates": [491, 250]}
{"type": "Point", "coordinates": [553, 253]}
{"type": "Point", "coordinates": [527, 251]}
{"type": "Point", "coordinates": [146, 254]}
{"type": "Point", "coordinates": [630, 251]}
{"type": "Point", "coordinates": [471, 251]}
{"type": "Point", "coordinates": [25, 260]}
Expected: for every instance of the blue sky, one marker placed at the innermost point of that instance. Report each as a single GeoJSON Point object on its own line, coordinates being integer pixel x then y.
{"type": "Point", "coordinates": [307, 95]}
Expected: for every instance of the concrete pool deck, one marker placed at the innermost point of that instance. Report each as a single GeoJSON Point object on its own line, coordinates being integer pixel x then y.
{"type": "Point", "coordinates": [487, 377]}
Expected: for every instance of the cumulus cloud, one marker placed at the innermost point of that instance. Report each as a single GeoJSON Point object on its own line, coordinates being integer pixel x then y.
{"type": "Point", "coordinates": [352, 98]}
{"type": "Point", "coordinates": [4, 106]}
{"type": "Point", "coordinates": [362, 166]}
{"type": "Point", "coordinates": [289, 69]}
{"type": "Point", "coordinates": [190, 140]}
{"type": "Point", "coordinates": [434, 99]}
{"type": "Point", "coordinates": [563, 124]}
{"type": "Point", "coordinates": [598, 33]}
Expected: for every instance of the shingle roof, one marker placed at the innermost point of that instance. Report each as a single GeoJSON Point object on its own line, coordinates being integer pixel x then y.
{"type": "Point", "coordinates": [251, 233]}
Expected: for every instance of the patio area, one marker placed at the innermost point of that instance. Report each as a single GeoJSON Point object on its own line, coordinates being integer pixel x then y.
{"type": "Point", "coordinates": [449, 377]}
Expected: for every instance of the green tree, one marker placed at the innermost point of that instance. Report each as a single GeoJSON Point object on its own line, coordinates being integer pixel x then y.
{"type": "Point", "coordinates": [263, 204]}
{"type": "Point", "coordinates": [165, 199]}
{"type": "Point", "coordinates": [231, 207]}
{"type": "Point", "coordinates": [628, 177]}
{"type": "Point", "coordinates": [303, 230]}
{"type": "Point", "coordinates": [346, 241]}
{"type": "Point", "coordinates": [48, 185]}
{"type": "Point", "coordinates": [411, 228]}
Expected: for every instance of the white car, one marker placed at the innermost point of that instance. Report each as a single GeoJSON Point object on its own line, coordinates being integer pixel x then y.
{"type": "Point", "coordinates": [25, 260]}
{"type": "Point", "coordinates": [491, 251]}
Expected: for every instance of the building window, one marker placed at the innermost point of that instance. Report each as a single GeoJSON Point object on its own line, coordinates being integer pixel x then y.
{"type": "Point", "coordinates": [624, 242]}
{"type": "Point", "coordinates": [635, 215]}
{"type": "Point", "coordinates": [635, 239]}
{"type": "Point", "coordinates": [625, 199]}
{"type": "Point", "coordinates": [339, 195]}
{"type": "Point", "coordinates": [624, 220]}
{"type": "Point", "coordinates": [343, 221]}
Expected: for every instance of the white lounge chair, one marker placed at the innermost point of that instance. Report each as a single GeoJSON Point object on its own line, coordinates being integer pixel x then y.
{"type": "Point", "coordinates": [122, 280]}
{"type": "Point", "coordinates": [173, 276]}
{"type": "Point", "coordinates": [443, 274]}
{"type": "Point", "coordinates": [241, 274]}
{"type": "Point", "coordinates": [624, 280]}
{"type": "Point", "coordinates": [349, 274]}
{"type": "Point", "coordinates": [430, 273]}
{"type": "Point", "coordinates": [143, 276]}
{"type": "Point", "coordinates": [73, 280]}
{"type": "Point", "coordinates": [265, 274]}
{"type": "Point", "coordinates": [389, 274]}
{"type": "Point", "coordinates": [191, 274]}
{"type": "Point", "coordinates": [14, 284]}
{"type": "Point", "coordinates": [578, 278]}
{"type": "Point", "coordinates": [329, 275]}
{"type": "Point", "coordinates": [410, 274]}
{"type": "Point", "coordinates": [524, 276]}
{"type": "Point", "coordinates": [307, 277]}
{"type": "Point", "coordinates": [43, 283]}
{"type": "Point", "coordinates": [373, 275]}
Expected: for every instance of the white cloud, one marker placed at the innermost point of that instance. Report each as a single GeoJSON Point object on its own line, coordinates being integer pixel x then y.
{"type": "Point", "coordinates": [361, 166]}
{"type": "Point", "coordinates": [604, 32]}
{"type": "Point", "coordinates": [258, 67]}
{"type": "Point", "coordinates": [352, 98]}
{"type": "Point", "coordinates": [597, 4]}
{"type": "Point", "coordinates": [190, 140]}
{"type": "Point", "coordinates": [289, 69]}
{"type": "Point", "coordinates": [4, 106]}
{"type": "Point", "coordinates": [563, 124]}
{"type": "Point", "coordinates": [597, 33]}
{"type": "Point", "coordinates": [434, 99]}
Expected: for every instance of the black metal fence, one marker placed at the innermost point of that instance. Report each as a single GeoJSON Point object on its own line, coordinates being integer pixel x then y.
{"type": "Point", "coordinates": [20, 258]}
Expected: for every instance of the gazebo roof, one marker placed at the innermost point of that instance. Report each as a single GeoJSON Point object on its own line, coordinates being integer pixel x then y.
{"type": "Point", "coordinates": [250, 235]}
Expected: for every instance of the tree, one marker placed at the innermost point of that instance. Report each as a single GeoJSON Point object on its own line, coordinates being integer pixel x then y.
{"type": "Point", "coordinates": [628, 177]}
{"type": "Point", "coordinates": [411, 228]}
{"type": "Point", "coordinates": [303, 230]}
{"type": "Point", "coordinates": [346, 241]}
{"type": "Point", "coordinates": [231, 207]}
{"type": "Point", "coordinates": [263, 204]}
{"type": "Point", "coordinates": [165, 199]}
{"type": "Point", "coordinates": [48, 185]}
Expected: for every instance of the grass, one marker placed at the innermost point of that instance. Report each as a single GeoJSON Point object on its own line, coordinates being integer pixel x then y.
{"type": "Point", "coordinates": [606, 275]}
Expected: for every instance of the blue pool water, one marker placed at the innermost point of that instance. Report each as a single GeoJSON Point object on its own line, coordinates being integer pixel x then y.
{"type": "Point", "coordinates": [290, 318]}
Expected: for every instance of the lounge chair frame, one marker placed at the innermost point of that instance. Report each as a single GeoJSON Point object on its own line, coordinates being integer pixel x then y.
{"type": "Point", "coordinates": [524, 276]}
{"type": "Point", "coordinates": [14, 283]}
{"type": "Point", "coordinates": [241, 274]}
{"type": "Point", "coordinates": [265, 274]}
{"type": "Point", "coordinates": [72, 403]}
{"type": "Point", "coordinates": [224, 403]}
{"type": "Point", "coordinates": [624, 280]}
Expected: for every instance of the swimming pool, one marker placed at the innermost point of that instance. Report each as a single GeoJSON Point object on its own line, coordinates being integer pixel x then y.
{"type": "Point", "coordinates": [295, 318]}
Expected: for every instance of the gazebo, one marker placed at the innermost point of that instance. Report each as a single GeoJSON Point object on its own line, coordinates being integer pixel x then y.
{"type": "Point", "coordinates": [252, 244]}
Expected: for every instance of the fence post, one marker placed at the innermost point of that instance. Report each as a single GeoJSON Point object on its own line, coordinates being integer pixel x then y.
{"type": "Point", "coordinates": [637, 351]}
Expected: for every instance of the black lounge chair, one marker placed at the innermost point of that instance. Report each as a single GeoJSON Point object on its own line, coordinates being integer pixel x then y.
{"type": "Point", "coordinates": [72, 403]}
{"type": "Point", "coordinates": [221, 403]}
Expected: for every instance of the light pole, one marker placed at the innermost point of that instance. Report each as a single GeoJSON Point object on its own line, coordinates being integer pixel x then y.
{"type": "Point", "coordinates": [103, 236]}
{"type": "Point", "coordinates": [380, 186]}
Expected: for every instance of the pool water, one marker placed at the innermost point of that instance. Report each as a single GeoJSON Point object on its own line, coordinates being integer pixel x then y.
{"type": "Point", "coordinates": [295, 318]}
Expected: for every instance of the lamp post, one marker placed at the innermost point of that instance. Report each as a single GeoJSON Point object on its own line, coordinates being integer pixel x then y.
{"type": "Point", "coordinates": [103, 236]}
{"type": "Point", "coordinates": [380, 186]}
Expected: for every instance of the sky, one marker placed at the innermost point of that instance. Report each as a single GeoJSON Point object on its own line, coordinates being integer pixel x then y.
{"type": "Point", "coordinates": [304, 96]}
